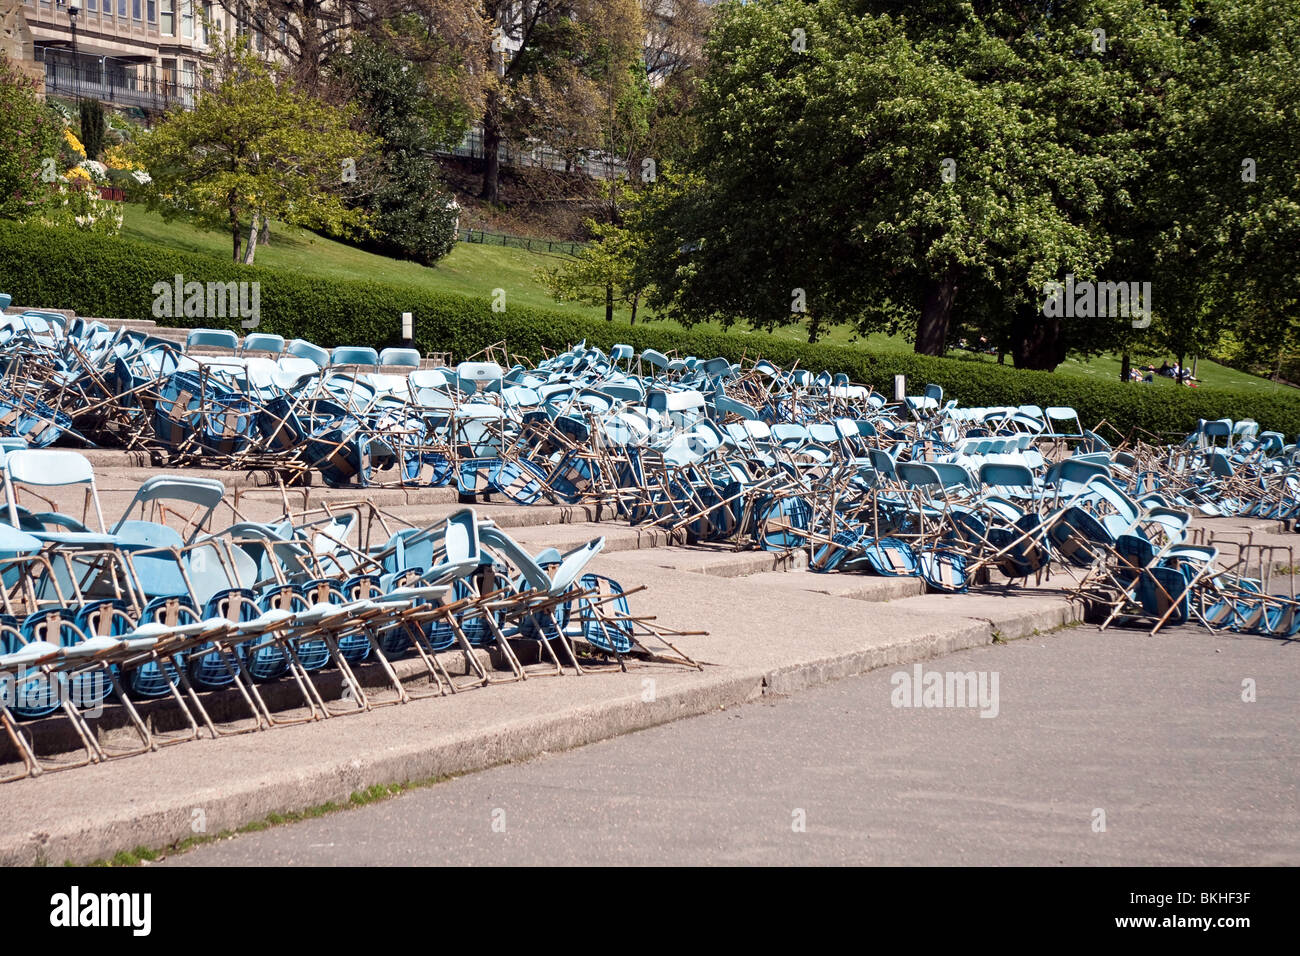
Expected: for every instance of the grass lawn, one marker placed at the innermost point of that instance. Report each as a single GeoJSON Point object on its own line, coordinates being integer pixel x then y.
{"type": "Point", "coordinates": [473, 269]}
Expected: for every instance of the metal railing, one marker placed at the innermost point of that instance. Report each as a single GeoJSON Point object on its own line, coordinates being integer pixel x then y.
{"type": "Point", "coordinates": [99, 81]}
{"type": "Point", "coordinates": [592, 162]}
{"type": "Point", "coordinates": [520, 242]}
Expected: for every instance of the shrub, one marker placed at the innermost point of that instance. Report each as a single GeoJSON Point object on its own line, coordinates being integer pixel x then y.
{"type": "Point", "coordinates": [92, 127]}
{"type": "Point", "coordinates": [100, 276]}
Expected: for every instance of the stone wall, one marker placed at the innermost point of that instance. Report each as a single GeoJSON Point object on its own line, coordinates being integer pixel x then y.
{"type": "Point", "coordinates": [16, 42]}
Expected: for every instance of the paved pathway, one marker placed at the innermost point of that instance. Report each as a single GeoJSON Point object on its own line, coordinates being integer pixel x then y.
{"type": "Point", "coordinates": [1152, 731]}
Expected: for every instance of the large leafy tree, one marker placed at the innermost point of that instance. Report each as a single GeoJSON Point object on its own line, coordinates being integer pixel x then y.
{"type": "Point", "coordinates": [30, 136]}
{"type": "Point", "coordinates": [254, 149]}
{"type": "Point", "coordinates": [929, 168]}
{"type": "Point", "coordinates": [846, 171]}
{"type": "Point", "coordinates": [1230, 222]}
{"type": "Point", "coordinates": [443, 38]}
{"type": "Point", "coordinates": [553, 67]}
{"type": "Point", "coordinates": [413, 213]}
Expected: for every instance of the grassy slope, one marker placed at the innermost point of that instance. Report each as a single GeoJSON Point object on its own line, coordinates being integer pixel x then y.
{"type": "Point", "coordinates": [478, 269]}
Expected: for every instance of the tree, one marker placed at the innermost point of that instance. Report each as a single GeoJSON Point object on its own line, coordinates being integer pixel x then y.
{"type": "Point", "coordinates": [603, 273]}
{"type": "Point", "coordinates": [254, 148]}
{"type": "Point", "coordinates": [413, 213]}
{"type": "Point", "coordinates": [551, 63]}
{"type": "Point", "coordinates": [92, 127]}
{"type": "Point", "coordinates": [30, 136]}
{"type": "Point", "coordinates": [675, 33]}
{"type": "Point", "coordinates": [848, 171]}
{"type": "Point", "coordinates": [445, 38]}
{"type": "Point", "coordinates": [1230, 220]}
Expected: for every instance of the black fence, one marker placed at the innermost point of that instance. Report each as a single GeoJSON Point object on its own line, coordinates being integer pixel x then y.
{"type": "Point", "coordinates": [592, 162]}
{"type": "Point", "coordinates": [112, 83]}
{"type": "Point", "coordinates": [520, 242]}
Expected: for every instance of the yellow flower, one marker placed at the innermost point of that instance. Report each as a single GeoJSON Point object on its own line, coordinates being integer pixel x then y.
{"type": "Point", "coordinates": [77, 174]}
{"type": "Point", "coordinates": [115, 158]}
{"type": "Point", "coordinates": [74, 143]}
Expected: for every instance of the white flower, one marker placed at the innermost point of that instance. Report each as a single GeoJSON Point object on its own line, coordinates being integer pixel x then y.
{"type": "Point", "coordinates": [98, 171]}
{"type": "Point", "coordinates": [141, 177]}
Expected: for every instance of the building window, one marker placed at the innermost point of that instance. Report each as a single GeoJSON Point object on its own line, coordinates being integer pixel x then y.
{"type": "Point", "coordinates": [187, 19]}
{"type": "Point", "coordinates": [151, 10]}
{"type": "Point", "coordinates": [135, 9]}
{"type": "Point", "coordinates": [121, 9]}
{"type": "Point", "coordinates": [92, 6]}
{"type": "Point", "coordinates": [207, 22]}
{"type": "Point", "coordinates": [167, 27]}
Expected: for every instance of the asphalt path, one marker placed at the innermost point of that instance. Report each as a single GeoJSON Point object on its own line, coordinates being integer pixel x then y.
{"type": "Point", "coordinates": [1098, 748]}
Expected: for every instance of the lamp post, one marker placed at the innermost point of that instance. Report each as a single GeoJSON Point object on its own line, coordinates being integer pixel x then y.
{"type": "Point", "coordinates": [73, 10]}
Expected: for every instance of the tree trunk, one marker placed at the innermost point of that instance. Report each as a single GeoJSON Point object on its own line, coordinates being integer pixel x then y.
{"type": "Point", "coordinates": [636, 300]}
{"type": "Point", "coordinates": [936, 311]}
{"type": "Point", "coordinates": [264, 234]}
{"type": "Point", "coordinates": [252, 242]}
{"type": "Point", "coordinates": [609, 302]}
{"type": "Point", "coordinates": [1125, 367]}
{"type": "Point", "coordinates": [814, 328]}
{"type": "Point", "coordinates": [491, 161]}
{"type": "Point", "coordinates": [1037, 342]}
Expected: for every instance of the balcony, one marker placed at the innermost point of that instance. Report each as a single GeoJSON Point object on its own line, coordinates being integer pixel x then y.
{"type": "Point", "coordinates": [113, 81]}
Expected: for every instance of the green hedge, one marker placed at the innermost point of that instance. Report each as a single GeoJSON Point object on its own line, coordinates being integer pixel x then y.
{"type": "Point", "coordinates": [97, 276]}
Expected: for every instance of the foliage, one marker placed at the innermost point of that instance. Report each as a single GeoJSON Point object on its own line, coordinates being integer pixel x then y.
{"type": "Point", "coordinates": [93, 127]}
{"type": "Point", "coordinates": [603, 273]}
{"type": "Point", "coordinates": [928, 168]}
{"type": "Point", "coordinates": [254, 148]}
{"type": "Point", "coordinates": [30, 135]}
{"type": "Point", "coordinates": [114, 277]}
{"type": "Point", "coordinates": [413, 214]}
{"type": "Point", "coordinates": [554, 66]}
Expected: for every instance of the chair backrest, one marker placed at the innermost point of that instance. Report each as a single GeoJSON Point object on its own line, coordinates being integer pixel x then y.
{"type": "Point", "coordinates": [533, 573]}
{"type": "Point", "coordinates": [1067, 415]}
{"type": "Point", "coordinates": [917, 474]}
{"type": "Point", "coordinates": [473, 376]}
{"type": "Point", "coordinates": [48, 468]}
{"type": "Point", "coordinates": [574, 563]}
{"type": "Point", "coordinates": [212, 338]}
{"type": "Point", "coordinates": [204, 492]}
{"type": "Point", "coordinates": [882, 462]}
{"type": "Point", "coordinates": [405, 358]}
{"type": "Point", "coordinates": [354, 355]}
{"type": "Point", "coordinates": [1006, 475]}
{"type": "Point", "coordinates": [304, 349]}
{"type": "Point", "coordinates": [263, 342]}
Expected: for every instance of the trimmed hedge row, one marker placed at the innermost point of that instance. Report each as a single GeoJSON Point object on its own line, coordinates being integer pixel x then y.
{"type": "Point", "coordinates": [99, 276]}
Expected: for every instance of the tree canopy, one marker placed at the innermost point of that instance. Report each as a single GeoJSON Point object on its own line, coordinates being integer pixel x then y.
{"type": "Point", "coordinates": [254, 148]}
{"type": "Point", "coordinates": [931, 168]}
